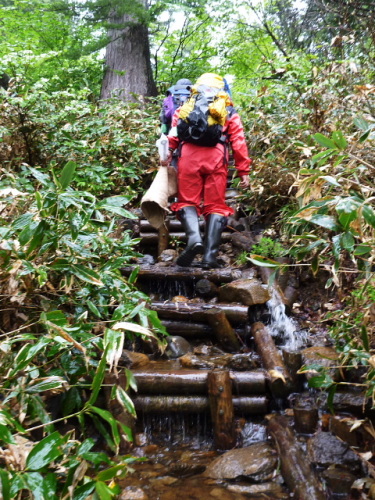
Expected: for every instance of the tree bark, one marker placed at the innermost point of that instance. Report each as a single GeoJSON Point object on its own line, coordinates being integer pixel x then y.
{"type": "Point", "coordinates": [188, 382]}
{"type": "Point", "coordinates": [128, 67]}
{"type": "Point", "coordinates": [217, 276]}
{"type": "Point", "coordinates": [221, 407]}
{"type": "Point", "coordinates": [243, 405]}
{"type": "Point", "coordinates": [280, 378]}
{"type": "Point", "coordinates": [186, 311]}
{"type": "Point", "coordinates": [295, 467]}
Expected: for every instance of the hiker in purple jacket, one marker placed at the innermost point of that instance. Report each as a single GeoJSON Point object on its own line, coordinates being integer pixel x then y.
{"type": "Point", "coordinates": [176, 95]}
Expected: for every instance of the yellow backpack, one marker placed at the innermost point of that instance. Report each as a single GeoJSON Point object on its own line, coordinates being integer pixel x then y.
{"type": "Point", "coordinates": [203, 115]}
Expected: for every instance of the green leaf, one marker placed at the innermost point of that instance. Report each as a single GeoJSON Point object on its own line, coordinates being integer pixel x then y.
{"type": "Point", "coordinates": [133, 276]}
{"type": "Point", "coordinates": [123, 398]}
{"type": "Point", "coordinates": [93, 308]}
{"type": "Point", "coordinates": [22, 221]}
{"type": "Point", "coordinates": [103, 491]}
{"type": "Point", "coordinates": [331, 396]}
{"type": "Point", "coordinates": [339, 140]}
{"type": "Point", "coordinates": [114, 340]}
{"type": "Point", "coordinates": [98, 378]}
{"type": "Point", "coordinates": [6, 435]}
{"type": "Point", "coordinates": [323, 155]}
{"type": "Point", "coordinates": [315, 264]}
{"type": "Point", "coordinates": [26, 354]}
{"type": "Point", "coordinates": [38, 235]}
{"type": "Point", "coordinates": [86, 274]}
{"type": "Point", "coordinates": [362, 249]}
{"type": "Point", "coordinates": [53, 382]}
{"type": "Point", "coordinates": [5, 484]}
{"type": "Point", "coordinates": [331, 180]}
{"type": "Point", "coordinates": [130, 380]}
{"type": "Point", "coordinates": [348, 241]}
{"type": "Point", "coordinates": [326, 221]}
{"type": "Point", "coordinates": [40, 176]}
{"type": "Point", "coordinates": [67, 174]}
{"type": "Point", "coordinates": [259, 260]}
{"type": "Point", "coordinates": [117, 472]}
{"type": "Point", "coordinates": [323, 381]}
{"type": "Point", "coordinates": [35, 483]}
{"type": "Point", "coordinates": [118, 211]}
{"type": "Point", "coordinates": [45, 452]}
{"type": "Point", "coordinates": [369, 215]}
{"type": "Point", "coordinates": [83, 492]}
{"type": "Point", "coordinates": [324, 141]}
{"type": "Point", "coordinates": [109, 418]}
{"type": "Point", "coordinates": [50, 486]}
{"type": "Point", "coordinates": [365, 339]}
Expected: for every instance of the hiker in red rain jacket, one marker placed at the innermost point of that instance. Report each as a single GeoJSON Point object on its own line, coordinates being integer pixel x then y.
{"type": "Point", "coordinates": [202, 178]}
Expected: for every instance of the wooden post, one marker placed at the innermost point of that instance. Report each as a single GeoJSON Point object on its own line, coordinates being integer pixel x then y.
{"type": "Point", "coordinates": [223, 331]}
{"type": "Point", "coordinates": [221, 406]}
{"type": "Point", "coordinates": [295, 467]}
{"type": "Point", "coordinates": [281, 380]}
{"type": "Point", "coordinates": [163, 237]}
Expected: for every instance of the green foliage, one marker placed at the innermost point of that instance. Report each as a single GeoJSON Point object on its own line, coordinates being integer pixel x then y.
{"type": "Point", "coordinates": [61, 267]}
{"type": "Point", "coordinates": [267, 247]}
{"type": "Point", "coordinates": [337, 212]}
{"type": "Point", "coordinates": [113, 145]}
{"type": "Point", "coordinates": [352, 331]}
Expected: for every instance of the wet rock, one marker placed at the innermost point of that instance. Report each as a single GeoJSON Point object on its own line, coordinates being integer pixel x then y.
{"type": "Point", "coordinates": [186, 470]}
{"type": "Point", "coordinates": [133, 493]}
{"type": "Point", "coordinates": [146, 260]}
{"type": "Point", "coordinates": [326, 449]}
{"type": "Point", "coordinates": [132, 359]}
{"type": "Point", "coordinates": [191, 361]}
{"type": "Point", "coordinates": [351, 402]}
{"type": "Point", "coordinates": [324, 356]}
{"type": "Point", "coordinates": [266, 490]}
{"type": "Point", "coordinates": [256, 462]}
{"type": "Point", "coordinates": [246, 291]}
{"type": "Point", "coordinates": [164, 481]}
{"type": "Point", "coordinates": [242, 362]}
{"type": "Point", "coordinates": [253, 433]}
{"type": "Point", "coordinates": [244, 240]}
{"type": "Point", "coordinates": [177, 347]}
{"type": "Point", "coordinates": [338, 480]}
{"type": "Point", "coordinates": [168, 255]}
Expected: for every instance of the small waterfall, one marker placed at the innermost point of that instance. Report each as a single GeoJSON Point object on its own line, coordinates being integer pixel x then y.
{"type": "Point", "coordinates": [176, 429]}
{"type": "Point", "coordinates": [282, 326]}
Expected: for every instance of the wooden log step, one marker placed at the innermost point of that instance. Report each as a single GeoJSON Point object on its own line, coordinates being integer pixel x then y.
{"type": "Point", "coordinates": [186, 329]}
{"type": "Point", "coordinates": [180, 274]}
{"type": "Point", "coordinates": [235, 313]}
{"type": "Point", "coordinates": [280, 379]}
{"type": "Point", "coordinates": [152, 238]}
{"type": "Point", "coordinates": [195, 381]}
{"type": "Point", "coordinates": [296, 470]}
{"type": "Point", "coordinates": [256, 405]}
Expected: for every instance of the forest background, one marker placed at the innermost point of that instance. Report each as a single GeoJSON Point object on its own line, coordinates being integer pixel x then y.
{"type": "Point", "coordinates": [76, 156]}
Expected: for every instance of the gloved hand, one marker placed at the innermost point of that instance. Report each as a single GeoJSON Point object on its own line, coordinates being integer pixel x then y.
{"type": "Point", "coordinates": [168, 161]}
{"type": "Point", "coordinates": [245, 182]}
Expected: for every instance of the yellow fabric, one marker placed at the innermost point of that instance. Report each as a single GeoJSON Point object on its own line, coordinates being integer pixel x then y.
{"type": "Point", "coordinates": [218, 108]}
{"type": "Point", "coordinates": [211, 79]}
{"type": "Point", "coordinates": [186, 108]}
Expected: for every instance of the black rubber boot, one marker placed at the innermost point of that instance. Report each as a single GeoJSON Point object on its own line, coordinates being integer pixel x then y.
{"type": "Point", "coordinates": [215, 223]}
{"type": "Point", "coordinates": [194, 246]}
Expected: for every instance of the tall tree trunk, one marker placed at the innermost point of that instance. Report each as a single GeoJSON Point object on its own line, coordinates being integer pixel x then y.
{"type": "Point", "coordinates": [128, 66]}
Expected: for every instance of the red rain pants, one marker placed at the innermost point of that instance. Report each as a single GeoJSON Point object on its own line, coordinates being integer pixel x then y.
{"type": "Point", "coordinates": [202, 179]}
